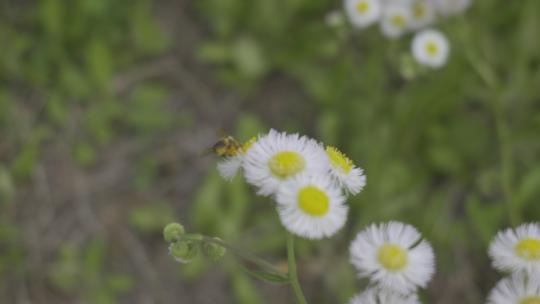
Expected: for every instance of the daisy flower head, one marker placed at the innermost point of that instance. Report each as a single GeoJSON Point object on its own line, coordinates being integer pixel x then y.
{"type": "Point", "coordinates": [394, 256]}
{"type": "Point", "coordinates": [430, 48]}
{"type": "Point", "coordinates": [363, 13]}
{"type": "Point", "coordinates": [395, 20]}
{"type": "Point", "coordinates": [311, 206]}
{"type": "Point", "coordinates": [516, 289]}
{"type": "Point", "coordinates": [229, 166]}
{"type": "Point", "coordinates": [517, 249]}
{"type": "Point", "coordinates": [276, 157]}
{"type": "Point", "coordinates": [343, 170]}
{"type": "Point", "coordinates": [451, 7]}
{"type": "Point", "coordinates": [422, 14]}
{"type": "Point", "coordinates": [376, 295]}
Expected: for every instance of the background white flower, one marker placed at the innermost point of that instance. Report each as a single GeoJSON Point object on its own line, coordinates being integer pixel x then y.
{"type": "Point", "coordinates": [395, 20]}
{"type": "Point", "coordinates": [394, 256]}
{"type": "Point", "coordinates": [363, 13]}
{"type": "Point", "coordinates": [347, 175]}
{"type": "Point", "coordinates": [517, 289]}
{"type": "Point", "coordinates": [311, 206]}
{"type": "Point", "coordinates": [430, 47]}
{"type": "Point", "coordinates": [517, 249]}
{"type": "Point", "coordinates": [379, 296]}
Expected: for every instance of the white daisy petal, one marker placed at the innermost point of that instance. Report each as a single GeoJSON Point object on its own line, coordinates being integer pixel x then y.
{"type": "Point", "coordinates": [430, 47]}
{"type": "Point", "coordinates": [395, 20]}
{"type": "Point", "coordinates": [394, 256]}
{"type": "Point", "coordinates": [379, 296]}
{"type": "Point", "coordinates": [311, 206]}
{"type": "Point", "coordinates": [343, 170]}
{"type": "Point", "coordinates": [277, 157]}
{"type": "Point", "coordinates": [517, 249]}
{"type": "Point", "coordinates": [363, 13]}
{"type": "Point", "coordinates": [517, 289]}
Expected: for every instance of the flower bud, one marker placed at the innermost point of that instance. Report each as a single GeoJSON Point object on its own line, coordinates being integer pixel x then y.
{"type": "Point", "coordinates": [213, 250]}
{"type": "Point", "coordinates": [184, 251]}
{"type": "Point", "coordinates": [173, 232]}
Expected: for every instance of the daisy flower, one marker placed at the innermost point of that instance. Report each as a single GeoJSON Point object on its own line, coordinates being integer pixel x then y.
{"type": "Point", "coordinates": [430, 47]}
{"type": "Point", "coordinates": [394, 256]}
{"type": "Point", "coordinates": [350, 177]}
{"type": "Point", "coordinates": [422, 14]}
{"type": "Point", "coordinates": [451, 7]}
{"type": "Point", "coordinates": [517, 249]}
{"type": "Point", "coordinates": [276, 157]}
{"type": "Point", "coordinates": [517, 289]}
{"type": "Point", "coordinates": [378, 296]}
{"type": "Point", "coordinates": [395, 20]}
{"type": "Point", "coordinates": [311, 206]}
{"type": "Point", "coordinates": [229, 166]}
{"type": "Point", "coordinates": [363, 13]}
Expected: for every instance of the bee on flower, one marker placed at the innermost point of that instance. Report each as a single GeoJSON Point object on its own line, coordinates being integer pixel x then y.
{"type": "Point", "coordinates": [394, 256]}
{"type": "Point", "coordinates": [430, 48]}
{"type": "Point", "coordinates": [231, 163]}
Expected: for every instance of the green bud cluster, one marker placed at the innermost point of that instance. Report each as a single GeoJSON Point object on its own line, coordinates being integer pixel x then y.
{"type": "Point", "coordinates": [185, 247]}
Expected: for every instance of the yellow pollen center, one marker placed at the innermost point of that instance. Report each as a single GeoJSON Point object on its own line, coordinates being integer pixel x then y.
{"type": "Point", "coordinates": [362, 7]}
{"type": "Point", "coordinates": [398, 20]}
{"type": "Point", "coordinates": [248, 144]}
{"type": "Point", "coordinates": [286, 164]}
{"type": "Point", "coordinates": [431, 48]}
{"type": "Point", "coordinates": [313, 201]}
{"type": "Point", "coordinates": [419, 11]}
{"type": "Point", "coordinates": [530, 300]}
{"type": "Point", "coordinates": [528, 249]}
{"type": "Point", "coordinates": [392, 257]}
{"type": "Point", "coordinates": [338, 159]}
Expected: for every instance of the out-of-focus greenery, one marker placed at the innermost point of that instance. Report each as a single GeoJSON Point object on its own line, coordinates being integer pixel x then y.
{"type": "Point", "coordinates": [442, 149]}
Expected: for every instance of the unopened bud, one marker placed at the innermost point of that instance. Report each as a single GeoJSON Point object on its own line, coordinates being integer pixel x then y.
{"type": "Point", "coordinates": [213, 250]}
{"type": "Point", "coordinates": [173, 232]}
{"type": "Point", "coordinates": [184, 251]}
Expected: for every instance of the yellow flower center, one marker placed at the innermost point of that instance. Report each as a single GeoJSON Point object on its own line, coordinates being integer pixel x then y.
{"type": "Point", "coordinates": [392, 257]}
{"type": "Point", "coordinates": [530, 300]}
{"type": "Point", "coordinates": [362, 7]}
{"type": "Point", "coordinates": [248, 144]}
{"type": "Point", "coordinates": [398, 20]}
{"type": "Point", "coordinates": [313, 201]}
{"type": "Point", "coordinates": [432, 48]}
{"type": "Point", "coordinates": [419, 11]}
{"type": "Point", "coordinates": [528, 249]}
{"type": "Point", "coordinates": [286, 164]}
{"type": "Point", "coordinates": [338, 159]}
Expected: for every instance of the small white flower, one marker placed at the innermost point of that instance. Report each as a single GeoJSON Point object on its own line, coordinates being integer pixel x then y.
{"type": "Point", "coordinates": [394, 256]}
{"type": "Point", "coordinates": [347, 175]}
{"type": "Point", "coordinates": [395, 20]}
{"type": "Point", "coordinates": [311, 206]}
{"type": "Point", "coordinates": [517, 249]}
{"type": "Point", "coordinates": [517, 289]}
{"type": "Point", "coordinates": [228, 167]}
{"type": "Point", "coordinates": [363, 13]}
{"type": "Point", "coordinates": [451, 7]}
{"type": "Point", "coordinates": [277, 157]}
{"type": "Point", "coordinates": [430, 47]}
{"type": "Point", "coordinates": [422, 14]}
{"type": "Point", "coordinates": [379, 296]}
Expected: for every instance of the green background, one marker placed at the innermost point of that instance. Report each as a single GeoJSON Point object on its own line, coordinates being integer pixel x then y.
{"type": "Point", "coordinates": [106, 108]}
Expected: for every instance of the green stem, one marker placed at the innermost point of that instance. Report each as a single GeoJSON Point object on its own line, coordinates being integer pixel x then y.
{"type": "Point", "coordinates": [293, 276]}
{"type": "Point", "coordinates": [486, 73]}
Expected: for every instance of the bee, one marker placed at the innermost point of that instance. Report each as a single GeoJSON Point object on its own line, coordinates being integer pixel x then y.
{"type": "Point", "coordinates": [226, 146]}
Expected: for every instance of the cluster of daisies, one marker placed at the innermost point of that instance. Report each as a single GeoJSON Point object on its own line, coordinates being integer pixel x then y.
{"type": "Point", "coordinates": [396, 260]}
{"type": "Point", "coordinates": [397, 17]}
{"type": "Point", "coordinates": [308, 181]}
{"type": "Point", "coordinates": [517, 253]}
